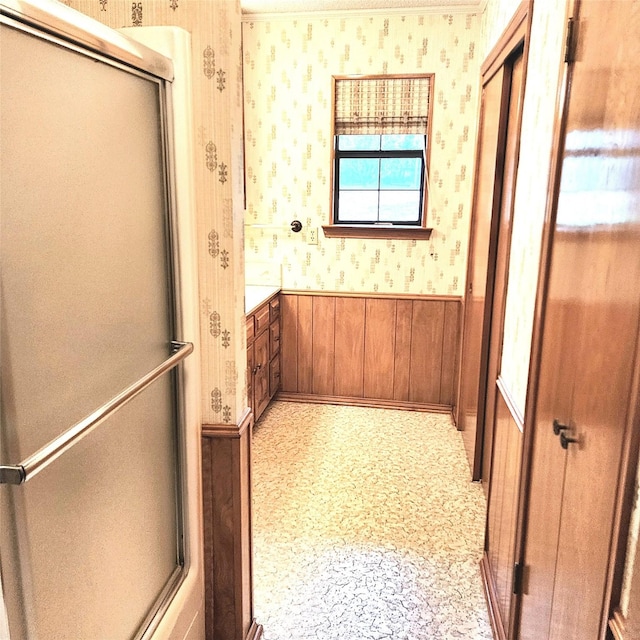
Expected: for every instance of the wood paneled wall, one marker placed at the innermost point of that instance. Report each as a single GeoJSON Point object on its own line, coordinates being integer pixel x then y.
{"type": "Point", "coordinates": [502, 512]}
{"type": "Point", "coordinates": [381, 350]}
{"type": "Point", "coordinates": [226, 499]}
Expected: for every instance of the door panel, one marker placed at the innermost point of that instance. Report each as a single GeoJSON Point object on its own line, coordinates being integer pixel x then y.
{"type": "Point", "coordinates": [608, 299]}
{"type": "Point", "coordinates": [70, 196]}
{"type": "Point", "coordinates": [87, 310]}
{"type": "Point", "coordinates": [548, 460]}
{"type": "Point", "coordinates": [590, 330]}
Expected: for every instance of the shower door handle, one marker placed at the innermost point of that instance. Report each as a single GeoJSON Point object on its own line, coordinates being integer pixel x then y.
{"type": "Point", "coordinates": [29, 467]}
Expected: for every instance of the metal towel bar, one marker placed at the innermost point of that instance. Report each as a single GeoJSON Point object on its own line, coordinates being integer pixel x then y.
{"type": "Point", "coordinates": [29, 467]}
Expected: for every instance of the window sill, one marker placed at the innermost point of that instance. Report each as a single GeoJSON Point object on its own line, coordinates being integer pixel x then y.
{"type": "Point", "coordinates": [376, 231]}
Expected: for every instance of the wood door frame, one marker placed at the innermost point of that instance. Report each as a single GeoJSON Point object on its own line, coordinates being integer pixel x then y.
{"type": "Point", "coordinates": [515, 36]}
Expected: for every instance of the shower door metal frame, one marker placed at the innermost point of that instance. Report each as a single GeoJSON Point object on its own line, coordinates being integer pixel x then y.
{"type": "Point", "coordinates": [64, 27]}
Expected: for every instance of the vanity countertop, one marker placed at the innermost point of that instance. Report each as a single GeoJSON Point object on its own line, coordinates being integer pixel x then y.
{"type": "Point", "coordinates": [256, 295]}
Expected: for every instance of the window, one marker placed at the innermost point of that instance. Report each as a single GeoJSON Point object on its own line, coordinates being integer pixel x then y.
{"type": "Point", "coordinates": [380, 156]}
{"type": "Point", "coordinates": [379, 179]}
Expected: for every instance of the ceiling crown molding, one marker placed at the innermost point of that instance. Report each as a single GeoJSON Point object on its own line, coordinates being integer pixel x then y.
{"type": "Point", "coordinates": [263, 11]}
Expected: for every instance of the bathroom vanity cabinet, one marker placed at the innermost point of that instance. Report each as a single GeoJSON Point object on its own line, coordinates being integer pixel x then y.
{"type": "Point", "coordinates": [263, 354]}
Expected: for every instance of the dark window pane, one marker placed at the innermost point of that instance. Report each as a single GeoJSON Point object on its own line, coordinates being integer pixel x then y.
{"type": "Point", "coordinates": [403, 142]}
{"type": "Point", "coordinates": [357, 206]}
{"type": "Point", "coordinates": [359, 173]}
{"type": "Point", "coordinates": [400, 206]}
{"type": "Point", "coordinates": [400, 173]}
{"type": "Point", "coordinates": [359, 143]}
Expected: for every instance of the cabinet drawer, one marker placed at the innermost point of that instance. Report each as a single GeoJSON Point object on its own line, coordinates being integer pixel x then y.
{"type": "Point", "coordinates": [275, 338]}
{"type": "Point", "coordinates": [274, 376]}
{"type": "Point", "coordinates": [274, 306]}
{"type": "Point", "coordinates": [250, 329]}
{"type": "Point", "coordinates": [262, 319]}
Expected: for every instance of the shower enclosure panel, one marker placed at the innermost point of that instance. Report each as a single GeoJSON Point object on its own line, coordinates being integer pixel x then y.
{"type": "Point", "coordinates": [91, 440]}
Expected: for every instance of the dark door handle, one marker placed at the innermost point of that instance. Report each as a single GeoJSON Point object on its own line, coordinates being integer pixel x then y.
{"type": "Point", "coordinates": [558, 428]}
{"type": "Point", "coordinates": [565, 441]}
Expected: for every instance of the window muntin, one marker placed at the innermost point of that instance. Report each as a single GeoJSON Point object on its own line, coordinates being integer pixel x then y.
{"type": "Point", "coordinates": [379, 179]}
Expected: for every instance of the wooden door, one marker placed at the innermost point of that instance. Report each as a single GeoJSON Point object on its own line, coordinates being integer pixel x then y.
{"type": "Point", "coordinates": [486, 197]}
{"type": "Point", "coordinates": [494, 320]}
{"type": "Point", "coordinates": [495, 169]}
{"type": "Point", "coordinates": [589, 335]}
{"type": "Point", "coordinates": [503, 438]}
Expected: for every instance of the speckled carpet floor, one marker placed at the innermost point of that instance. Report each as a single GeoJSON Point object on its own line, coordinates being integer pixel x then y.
{"type": "Point", "coordinates": [366, 526]}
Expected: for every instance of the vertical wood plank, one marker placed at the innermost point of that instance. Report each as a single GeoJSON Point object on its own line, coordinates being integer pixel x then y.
{"type": "Point", "coordinates": [450, 337]}
{"type": "Point", "coordinates": [226, 465]}
{"type": "Point", "coordinates": [503, 503]}
{"type": "Point", "coordinates": [223, 528]}
{"type": "Point", "coordinates": [207, 519]}
{"type": "Point", "coordinates": [289, 342]}
{"type": "Point", "coordinates": [426, 350]}
{"type": "Point", "coordinates": [349, 347]}
{"type": "Point", "coordinates": [510, 514]}
{"type": "Point", "coordinates": [324, 309]}
{"type": "Point", "coordinates": [496, 496]}
{"type": "Point", "coordinates": [243, 528]}
{"type": "Point", "coordinates": [379, 350]}
{"type": "Point", "coordinates": [402, 355]}
{"type": "Point", "coordinates": [305, 344]}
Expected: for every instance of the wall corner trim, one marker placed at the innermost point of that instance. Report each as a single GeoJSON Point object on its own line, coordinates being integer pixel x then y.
{"type": "Point", "coordinates": [228, 429]}
{"type": "Point", "coordinates": [512, 405]}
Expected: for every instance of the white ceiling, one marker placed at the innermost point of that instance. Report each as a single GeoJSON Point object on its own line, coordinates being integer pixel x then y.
{"type": "Point", "coordinates": [259, 7]}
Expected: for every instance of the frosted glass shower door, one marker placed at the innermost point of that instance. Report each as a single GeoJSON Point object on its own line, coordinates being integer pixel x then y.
{"type": "Point", "coordinates": [91, 542]}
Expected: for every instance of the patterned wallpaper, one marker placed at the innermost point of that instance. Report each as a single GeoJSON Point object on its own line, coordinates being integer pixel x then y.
{"type": "Point", "coordinates": [288, 64]}
{"type": "Point", "coordinates": [543, 72]}
{"type": "Point", "coordinates": [215, 31]}
{"type": "Point", "coordinates": [496, 17]}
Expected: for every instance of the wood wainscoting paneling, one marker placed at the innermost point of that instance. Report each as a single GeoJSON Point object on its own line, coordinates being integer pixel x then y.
{"type": "Point", "coordinates": [499, 555]}
{"type": "Point", "coordinates": [373, 350]}
{"type": "Point", "coordinates": [226, 488]}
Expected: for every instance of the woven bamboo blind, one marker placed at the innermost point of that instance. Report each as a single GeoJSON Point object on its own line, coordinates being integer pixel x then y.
{"type": "Point", "coordinates": [382, 105]}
